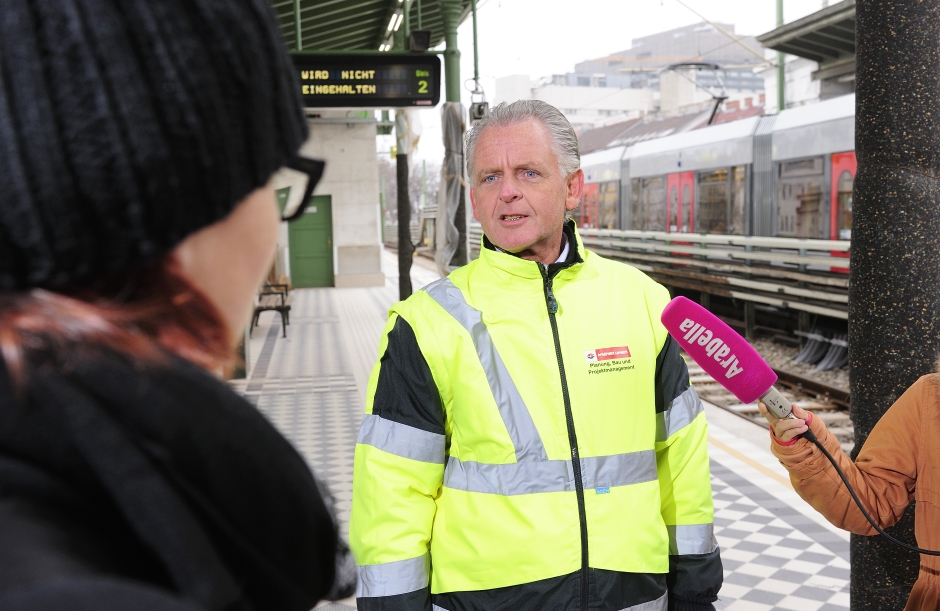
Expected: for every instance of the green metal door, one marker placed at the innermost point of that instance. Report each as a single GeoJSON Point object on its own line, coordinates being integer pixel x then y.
{"type": "Point", "coordinates": [310, 239]}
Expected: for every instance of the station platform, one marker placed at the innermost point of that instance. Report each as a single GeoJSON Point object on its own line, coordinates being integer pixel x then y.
{"type": "Point", "coordinates": [778, 554]}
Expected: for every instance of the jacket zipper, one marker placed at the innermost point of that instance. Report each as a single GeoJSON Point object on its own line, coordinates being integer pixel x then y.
{"type": "Point", "coordinates": [552, 305]}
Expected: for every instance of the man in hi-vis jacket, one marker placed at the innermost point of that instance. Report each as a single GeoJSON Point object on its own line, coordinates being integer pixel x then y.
{"type": "Point", "coordinates": [532, 442]}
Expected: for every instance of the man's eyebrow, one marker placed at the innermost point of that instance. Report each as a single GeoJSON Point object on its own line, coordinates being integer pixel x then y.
{"type": "Point", "coordinates": [486, 171]}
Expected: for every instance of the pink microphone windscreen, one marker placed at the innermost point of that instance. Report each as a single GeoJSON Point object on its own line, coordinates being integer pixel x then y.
{"type": "Point", "coordinates": [718, 349]}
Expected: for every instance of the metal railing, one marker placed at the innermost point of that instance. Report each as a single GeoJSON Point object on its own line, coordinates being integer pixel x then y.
{"type": "Point", "coordinates": [791, 273]}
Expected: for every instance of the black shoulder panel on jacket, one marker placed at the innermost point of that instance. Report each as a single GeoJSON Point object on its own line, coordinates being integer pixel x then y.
{"type": "Point", "coordinates": [672, 375]}
{"type": "Point", "coordinates": [419, 600]}
{"type": "Point", "coordinates": [406, 391]}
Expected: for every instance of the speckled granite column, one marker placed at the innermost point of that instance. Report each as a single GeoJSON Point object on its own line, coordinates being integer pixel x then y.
{"type": "Point", "coordinates": [894, 297]}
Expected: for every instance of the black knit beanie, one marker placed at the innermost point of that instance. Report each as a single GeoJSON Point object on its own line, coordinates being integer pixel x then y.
{"type": "Point", "coordinates": [126, 125]}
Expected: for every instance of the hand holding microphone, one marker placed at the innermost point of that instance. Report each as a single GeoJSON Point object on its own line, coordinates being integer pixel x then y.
{"type": "Point", "coordinates": [786, 429]}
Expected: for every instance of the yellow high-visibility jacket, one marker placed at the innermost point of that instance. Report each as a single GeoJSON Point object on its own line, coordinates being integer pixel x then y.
{"type": "Point", "coordinates": [532, 443]}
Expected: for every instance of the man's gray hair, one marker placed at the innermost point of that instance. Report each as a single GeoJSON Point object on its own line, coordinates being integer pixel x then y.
{"type": "Point", "coordinates": [564, 140]}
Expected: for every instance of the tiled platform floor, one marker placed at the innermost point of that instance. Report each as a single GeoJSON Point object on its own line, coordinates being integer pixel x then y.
{"type": "Point", "coordinates": [777, 553]}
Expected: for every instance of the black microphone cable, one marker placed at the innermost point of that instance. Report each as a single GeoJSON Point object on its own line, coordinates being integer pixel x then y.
{"type": "Point", "coordinates": [811, 437]}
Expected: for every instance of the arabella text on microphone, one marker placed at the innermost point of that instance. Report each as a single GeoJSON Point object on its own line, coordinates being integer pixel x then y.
{"type": "Point", "coordinates": [714, 347]}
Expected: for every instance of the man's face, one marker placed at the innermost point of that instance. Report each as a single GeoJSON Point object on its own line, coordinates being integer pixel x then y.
{"type": "Point", "coordinates": [518, 192]}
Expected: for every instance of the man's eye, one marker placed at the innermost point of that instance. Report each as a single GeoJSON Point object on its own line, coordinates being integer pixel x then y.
{"type": "Point", "coordinates": [530, 174]}
{"type": "Point", "coordinates": [489, 179]}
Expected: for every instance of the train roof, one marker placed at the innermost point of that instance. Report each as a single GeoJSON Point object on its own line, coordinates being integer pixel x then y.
{"type": "Point", "coordinates": [710, 147]}
{"type": "Point", "coordinates": [805, 131]}
{"type": "Point", "coordinates": [816, 129]}
{"type": "Point", "coordinates": [699, 137]}
{"type": "Point", "coordinates": [603, 165]}
{"type": "Point", "coordinates": [842, 107]}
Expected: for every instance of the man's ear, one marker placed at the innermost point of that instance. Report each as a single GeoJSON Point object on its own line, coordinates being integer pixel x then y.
{"type": "Point", "coordinates": [575, 188]}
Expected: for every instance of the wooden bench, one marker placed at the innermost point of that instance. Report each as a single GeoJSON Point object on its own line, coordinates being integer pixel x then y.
{"type": "Point", "coordinates": [274, 297]}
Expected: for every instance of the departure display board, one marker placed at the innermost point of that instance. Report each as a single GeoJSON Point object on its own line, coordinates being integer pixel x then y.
{"type": "Point", "coordinates": [381, 80]}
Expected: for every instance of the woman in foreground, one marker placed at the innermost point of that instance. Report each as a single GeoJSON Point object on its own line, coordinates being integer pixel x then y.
{"type": "Point", "coordinates": [137, 144]}
{"type": "Point", "coordinates": [899, 463]}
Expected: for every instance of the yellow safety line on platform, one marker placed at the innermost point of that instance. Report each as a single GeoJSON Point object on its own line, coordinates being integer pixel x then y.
{"type": "Point", "coordinates": [751, 462]}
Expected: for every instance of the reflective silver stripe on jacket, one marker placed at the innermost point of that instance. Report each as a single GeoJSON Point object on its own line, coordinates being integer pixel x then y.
{"type": "Point", "coordinates": [525, 437]}
{"type": "Point", "coordinates": [393, 578]}
{"type": "Point", "coordinates": [680, 414]}
{"type": "Point", "coordinates": [401, 440]}
{"type": "Point", "coordinates": [660, 604]}
{"type": "Point", "coordinates": [692, 539]}
{"type": "Point", "coordinates": [550, 475]}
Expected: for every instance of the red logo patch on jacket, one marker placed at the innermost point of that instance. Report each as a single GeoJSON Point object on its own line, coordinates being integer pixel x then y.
{"type": "Point", "coordinates": [607, 354]}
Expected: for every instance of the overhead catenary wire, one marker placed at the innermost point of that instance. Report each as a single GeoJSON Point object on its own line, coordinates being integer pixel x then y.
{"type": "Point", "coordinates": [726, 33]}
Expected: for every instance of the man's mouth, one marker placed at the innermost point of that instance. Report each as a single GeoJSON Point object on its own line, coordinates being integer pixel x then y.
{"type": "Point", "coordinates": [512, 217]}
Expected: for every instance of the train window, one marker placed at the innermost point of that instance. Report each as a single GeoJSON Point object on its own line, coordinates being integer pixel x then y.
{"type": "Point", "coordinates": [633, 220]}
{"type": "Point", "coordinates": [686, 208]}
{"type": "Point", "coordinates": [738, 194]}
{"type": "Point", "coordinates": [845, 205]}
{"type": "Point", "coordinates": [608, 200]}
{"type": "Point", "coordinates": [712, 206]}
{"type": "Point", "coordinates": [799, 199]}
{"type": "Point", "coordinates": [649, 203]}
{"type": "Point", "coordinates": [673, 220]}
{"type": "Point", "coordinates": [801, 167]}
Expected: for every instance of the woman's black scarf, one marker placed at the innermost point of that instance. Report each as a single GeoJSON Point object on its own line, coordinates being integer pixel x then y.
{"type": "Point", "coordinates": [159, 477]}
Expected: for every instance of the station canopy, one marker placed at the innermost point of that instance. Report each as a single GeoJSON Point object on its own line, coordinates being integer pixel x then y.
{"type": "Point", "coordinates": [826, 36]}
{"type": "Point", "coordinates": [354, 25]}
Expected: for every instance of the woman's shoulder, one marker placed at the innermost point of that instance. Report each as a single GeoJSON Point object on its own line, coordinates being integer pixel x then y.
{"type": "Point", "coordinates": [923, 395]}
{"type": "Point", "coordinates": [913, 410]}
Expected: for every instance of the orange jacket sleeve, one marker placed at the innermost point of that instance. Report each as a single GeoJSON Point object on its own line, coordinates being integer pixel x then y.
{"type": "Point", "coordinates": [883, 476]}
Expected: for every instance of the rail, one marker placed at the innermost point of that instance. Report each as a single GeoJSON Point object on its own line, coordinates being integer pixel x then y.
{"type": "Point", "coordinates": [790, 273]}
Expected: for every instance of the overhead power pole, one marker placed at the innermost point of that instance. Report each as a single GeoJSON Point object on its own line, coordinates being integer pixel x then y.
{"type": "Point", "coordinates": [405, 247]}
{"type": "Point", "coordinates": [403, 150]}
{"type": "Point", "coordinates": [451, 13]}
{"type": "Point", "coordinates": [894, 296]}
{"type": "Point", "coordinates": [781, 66]}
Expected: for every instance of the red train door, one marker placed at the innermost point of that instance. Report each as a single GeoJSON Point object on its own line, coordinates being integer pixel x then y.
{"type": "Point", "coordinates": [588, 217]}
{"type": "Point", "coordinates": [843, 178]}
{"type": "Point", "coordinates": [840, 202]}
{"type": "Point", "coordinates": [680, 202]}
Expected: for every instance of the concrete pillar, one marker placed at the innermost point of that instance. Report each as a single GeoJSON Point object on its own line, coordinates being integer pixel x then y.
{"type": "Point", "coordinates": [894, 295]}
{"type": "Point", "coordinates": [351, 179]}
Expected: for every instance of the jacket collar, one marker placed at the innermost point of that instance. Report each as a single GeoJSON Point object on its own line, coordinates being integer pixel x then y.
{"type": "Point", "coordinates": [517, 266]}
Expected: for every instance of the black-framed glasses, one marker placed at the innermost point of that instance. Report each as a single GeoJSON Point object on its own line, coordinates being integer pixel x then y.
{"type": "Point", "coordinates": [302, 175]}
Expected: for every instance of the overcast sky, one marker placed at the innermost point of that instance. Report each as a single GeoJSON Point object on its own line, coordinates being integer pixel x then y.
{"type": "Point", "coordinates": [544, 37]}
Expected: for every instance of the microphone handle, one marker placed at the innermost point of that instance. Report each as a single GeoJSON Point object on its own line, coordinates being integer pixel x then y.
{"type": "Point", "coordinates": [777, 403]}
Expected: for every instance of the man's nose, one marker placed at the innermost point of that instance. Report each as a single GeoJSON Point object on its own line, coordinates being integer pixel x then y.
{"type": "Point", "coordinates": [509, 190]}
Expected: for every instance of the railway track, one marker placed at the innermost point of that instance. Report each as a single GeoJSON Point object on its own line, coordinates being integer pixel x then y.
{"type": "Point", "coordinates": [825, 402]}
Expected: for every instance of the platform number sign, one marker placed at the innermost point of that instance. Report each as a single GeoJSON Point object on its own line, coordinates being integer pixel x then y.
{"type": "Point", "coordinates": [380, 80]}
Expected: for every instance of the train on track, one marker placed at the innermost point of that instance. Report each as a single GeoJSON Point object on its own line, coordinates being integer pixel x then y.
{"type": "Point", "coordinates": [784, 175]}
